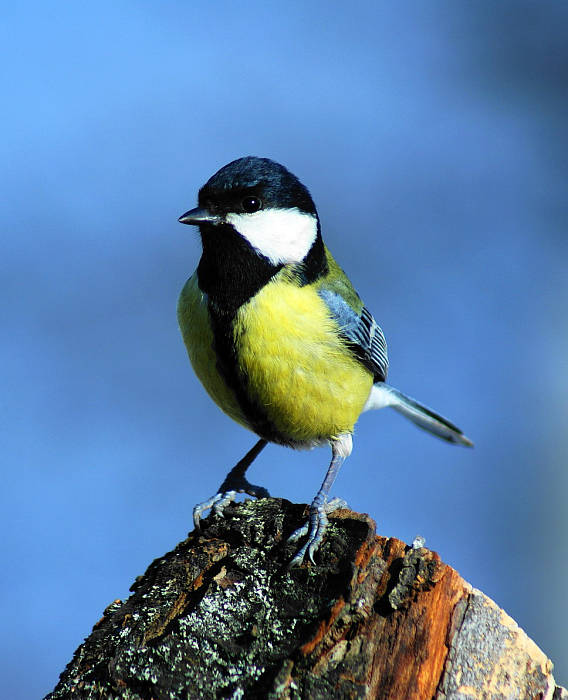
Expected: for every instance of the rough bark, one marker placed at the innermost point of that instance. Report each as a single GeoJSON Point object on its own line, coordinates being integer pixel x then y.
{"type": "Point", "coordinates": [221, 617]}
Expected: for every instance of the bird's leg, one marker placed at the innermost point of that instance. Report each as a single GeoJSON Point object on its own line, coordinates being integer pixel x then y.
{"type": "Point", "coordinates": [235, 482]}
{"type": "Point", "coordinates": [315, 528]}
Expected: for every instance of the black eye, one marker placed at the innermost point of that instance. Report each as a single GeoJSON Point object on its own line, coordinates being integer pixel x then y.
{"type": "Point", "coordinates": [251, 204]}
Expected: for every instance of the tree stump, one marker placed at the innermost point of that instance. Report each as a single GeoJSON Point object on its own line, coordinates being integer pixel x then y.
{"type": "Point", "coordinates": [221, 616]}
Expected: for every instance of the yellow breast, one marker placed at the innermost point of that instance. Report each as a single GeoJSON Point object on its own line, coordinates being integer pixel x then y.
{"type": "Point", "coordinates": [193, 318]}
{"type": "Point", "coordinates": [298, 368]}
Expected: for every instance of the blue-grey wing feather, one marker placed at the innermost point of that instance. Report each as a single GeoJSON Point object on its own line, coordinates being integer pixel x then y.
{"type": "Point", "coordinates": [362, 333]}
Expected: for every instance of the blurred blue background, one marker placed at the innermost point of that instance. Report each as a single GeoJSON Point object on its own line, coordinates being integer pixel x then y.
{"type": "Point", "coordinates": [433, 138]}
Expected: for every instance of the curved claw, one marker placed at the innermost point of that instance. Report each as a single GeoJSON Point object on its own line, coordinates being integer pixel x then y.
{"type": "Point", "coordinates": [218, 503]}
{"type": "Point", "coordinates": [221, 500]}
{"type": "Point", "coordinates": [315, 529]}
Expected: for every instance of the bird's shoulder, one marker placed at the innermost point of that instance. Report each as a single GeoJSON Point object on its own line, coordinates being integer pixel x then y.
{"type": "Point", "coordinates": [335, 282]}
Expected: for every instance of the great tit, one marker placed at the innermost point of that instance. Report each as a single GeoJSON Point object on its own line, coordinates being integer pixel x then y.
{"type": "Point", "coordinates": [277, 334]}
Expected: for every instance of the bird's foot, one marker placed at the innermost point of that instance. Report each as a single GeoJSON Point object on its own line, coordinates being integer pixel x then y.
{"type": "Point", "coordinates": [227, 493]}
{"type": "Point", "coordinates": [314, 529]}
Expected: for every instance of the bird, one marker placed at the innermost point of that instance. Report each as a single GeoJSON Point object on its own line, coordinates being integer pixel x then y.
{"type": "Point", "coordinates": [277, 334]}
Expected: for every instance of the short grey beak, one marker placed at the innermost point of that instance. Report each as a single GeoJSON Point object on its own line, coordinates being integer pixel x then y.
{"type": "Point", "coordinates": [198, 216]}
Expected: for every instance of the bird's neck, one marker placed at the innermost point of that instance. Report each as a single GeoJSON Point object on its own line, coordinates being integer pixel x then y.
{"type": "Point", "coordinates": [231, 272]}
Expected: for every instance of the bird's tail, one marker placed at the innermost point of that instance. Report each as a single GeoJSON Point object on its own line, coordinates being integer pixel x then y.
{"type": "Point", "coordinates": [385, 395]}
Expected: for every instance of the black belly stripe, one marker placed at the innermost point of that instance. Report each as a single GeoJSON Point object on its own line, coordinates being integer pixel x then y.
{"type": "Point", "coordinates": [222, 326]}
{"type": "Point", "coordinates": [230, 272]}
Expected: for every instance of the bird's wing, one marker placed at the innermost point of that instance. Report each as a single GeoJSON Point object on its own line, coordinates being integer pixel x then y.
{"type": "Point", "coordinates": [362, 333]}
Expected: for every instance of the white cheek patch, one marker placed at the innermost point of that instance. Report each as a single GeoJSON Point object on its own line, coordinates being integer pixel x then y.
{"type": "Point", "coordinates": [281, 235]}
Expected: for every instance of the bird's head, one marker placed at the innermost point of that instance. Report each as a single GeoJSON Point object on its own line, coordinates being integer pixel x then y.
{"type": "Point", "coordinates": [263, 203]}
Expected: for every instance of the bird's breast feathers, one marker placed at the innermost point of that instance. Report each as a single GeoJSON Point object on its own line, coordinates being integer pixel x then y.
{"type": "Point", "coordinates": [195, 326]}
{"type": "Point", "coordinates": [292, 361]}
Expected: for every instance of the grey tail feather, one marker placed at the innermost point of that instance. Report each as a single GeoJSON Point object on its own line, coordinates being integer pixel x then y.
{"type": "Point", "coordinates": [425, 418]}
